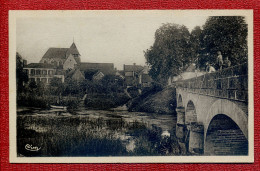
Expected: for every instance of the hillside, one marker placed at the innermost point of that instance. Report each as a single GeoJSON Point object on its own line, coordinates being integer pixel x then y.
{"type": "Point", "coordinates": [154, 101]}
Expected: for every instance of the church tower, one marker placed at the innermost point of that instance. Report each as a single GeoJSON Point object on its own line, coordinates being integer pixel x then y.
{"type": "Point", "coordinates": [74, 51]}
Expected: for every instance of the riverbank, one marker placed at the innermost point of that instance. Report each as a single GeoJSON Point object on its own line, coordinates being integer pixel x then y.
{"type": "Point", "coordinates": [155, 101]}
{"type": "Point", "coordinates": [96, 133]}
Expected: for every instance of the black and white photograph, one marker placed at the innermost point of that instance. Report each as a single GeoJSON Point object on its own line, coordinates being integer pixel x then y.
{"type": "Point", "coordinates": [134, 86]}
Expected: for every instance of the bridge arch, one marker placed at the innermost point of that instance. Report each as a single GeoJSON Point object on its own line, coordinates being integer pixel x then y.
{"type": "Point", "coordinates": [224, 137]}
{"type": "Point", "coordinates": [230, 109]}
{"type": "Point", "coordinates": [226, 129]}
{"type": "Point", "coordinates": [190, 114]}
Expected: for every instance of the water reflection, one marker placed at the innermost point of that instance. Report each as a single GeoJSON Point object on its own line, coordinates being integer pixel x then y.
{"type": "Point", "coordinates": [96, 133]}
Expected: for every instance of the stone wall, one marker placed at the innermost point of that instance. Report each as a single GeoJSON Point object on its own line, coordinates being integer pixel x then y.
{"type": "Point", "coordinates": [226, 142]}
{"type": "Point", "coordinates": [229, 83]}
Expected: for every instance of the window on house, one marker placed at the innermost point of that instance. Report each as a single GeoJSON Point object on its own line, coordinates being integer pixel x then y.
{"type": "Point", "coordinates": [38, 72]}
{"type": "Point", "coordinates": [50, 72]}
{"type": "Point", "coordinates": [32, 71]}
{"type": "Point", "coordinates": [44, 72]}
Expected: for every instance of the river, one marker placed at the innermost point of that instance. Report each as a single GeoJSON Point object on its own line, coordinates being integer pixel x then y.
{"type": "Point", "coordinates": [114, 132]}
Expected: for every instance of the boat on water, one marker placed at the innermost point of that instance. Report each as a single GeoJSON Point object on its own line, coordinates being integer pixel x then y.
{"type": "Point", "coordinates": [59, 104]}
{"type": "Point", "coordinates": [58, 107]}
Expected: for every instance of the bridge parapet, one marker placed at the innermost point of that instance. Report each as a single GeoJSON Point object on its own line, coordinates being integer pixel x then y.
{"type": "Point", "coordinates": [230, 83]}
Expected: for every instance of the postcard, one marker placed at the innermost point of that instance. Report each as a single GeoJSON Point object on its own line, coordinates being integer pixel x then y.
{"type": "Point", "coordinates": [131, 86]}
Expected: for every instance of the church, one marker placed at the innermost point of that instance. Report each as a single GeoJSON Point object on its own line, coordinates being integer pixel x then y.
{"type": "Point", "coordinates": [62, 58]}
{"type": "Point", "coordinates": [66, 63]}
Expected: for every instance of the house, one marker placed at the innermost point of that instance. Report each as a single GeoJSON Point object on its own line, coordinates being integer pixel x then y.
{"type": "Point", "coordinates": [76, 75]}
{"type": "Point", "coordinates": [98, 76]}
{"type": "Point", "coordinates": [132, 73]}
{"type": "Point", "coordinates": [69, 63]}
{"type": "Point", "coordinates": [41, 72]}
{"type": "Point", "coordinates": [91, 71]}
{"type": "Point", "coordinates": [62, 58]}
{"type": "Point", "coordinates": [145, 80]}
{"type": "Point", "coordinates": [120, 74]}
{"type": "Point", "coordinates": [137, 75]}
{"type": "Point", "coordinates": [105, 68]}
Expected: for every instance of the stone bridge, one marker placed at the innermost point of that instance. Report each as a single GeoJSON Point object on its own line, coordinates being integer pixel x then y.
{"type": "Point", "coordinates": [212, 112]}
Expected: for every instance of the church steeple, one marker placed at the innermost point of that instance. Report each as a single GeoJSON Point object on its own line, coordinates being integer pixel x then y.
{"type": "Point", "coordinates": [74, 51]}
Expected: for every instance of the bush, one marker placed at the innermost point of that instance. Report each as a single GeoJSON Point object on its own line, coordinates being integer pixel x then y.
{"type": "Point", "coordinates": [33, 101]}
{"type": "Point", "coordinates": [72, 105]}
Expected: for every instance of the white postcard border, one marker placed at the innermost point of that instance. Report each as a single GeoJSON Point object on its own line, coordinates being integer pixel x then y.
{"type": "Point", "coordinates": [13, 14]}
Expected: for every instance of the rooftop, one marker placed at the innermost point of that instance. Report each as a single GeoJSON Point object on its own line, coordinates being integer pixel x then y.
{"type": "Point", "coordinates": [39, 65]}
{"type": "Point", "coordinates": [106, 68]}
{"type": "Point", "coordinates": [136, 68]}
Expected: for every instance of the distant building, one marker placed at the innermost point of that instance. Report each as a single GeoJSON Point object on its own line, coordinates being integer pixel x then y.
{"type": "Point", "coordinates": [120, 74]}
{"type": "Point", "coordinates": [66, 63]}
{"type": "Point", "coordinates": [91, 71]}
{"type": "Point", "coordinates": [105, 68]}
{"type": "Point", "coordinates": [98, 76]}
{"type": "Point", "coordinates": [137, 75]}
{"type": "Point", "coordinates": [62, 58]}
{"type": "Point", "coordinates": [41, 72]}
{"type": "Point", "coordinates": [146, 80]}
{"type": "Point", "coordinates": [132, 73]}
{"type": "Point", "coordinates": [76, 75]}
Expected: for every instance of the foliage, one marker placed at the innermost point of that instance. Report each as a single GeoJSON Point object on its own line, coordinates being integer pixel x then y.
{"type": "Point", "coordinates": [227, 34]}
{"type": "Point", "coordinates": [55, 82]}
{"type": "Point", "coordinates": [170, 51]}
{"type": "Point", "coordinates": [72, 105]}
{"type": "Point", "coordinates": [33, 100]}
{"type": "Point", "coordinates": [83, 135]}
{"type": "Point", "coordinates": [21, 76]}
{"type": "Point", "coordinates": [175, 48]}
{"type": "Point", "coordinates": [195, 43]}
{"type": "Point", "coordinates": [105, 101]}
{"type": "Point", "coordinates": [89, 74]}
{"type": "Point", "coordinates": [113, 83]}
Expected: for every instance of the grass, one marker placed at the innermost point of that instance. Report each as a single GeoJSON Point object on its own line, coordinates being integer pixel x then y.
{"type": "Point", "coordinates": [79, 135]}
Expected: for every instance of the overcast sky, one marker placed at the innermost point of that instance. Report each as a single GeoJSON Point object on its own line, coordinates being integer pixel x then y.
{"type": "Point", "coordinates": [119, 39]}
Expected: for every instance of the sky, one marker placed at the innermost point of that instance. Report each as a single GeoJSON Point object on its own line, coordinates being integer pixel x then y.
{"type": "Point", "coordinates": [104, 37]}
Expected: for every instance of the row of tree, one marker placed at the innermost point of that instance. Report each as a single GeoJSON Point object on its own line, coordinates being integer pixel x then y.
{"type": "Point", "coordinates": [175, 47]}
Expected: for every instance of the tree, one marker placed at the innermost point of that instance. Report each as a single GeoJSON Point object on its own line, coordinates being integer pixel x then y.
{"type": "Point", "coordinates": [21, 76]}
{"type": "Point", "coordinates": [112, 83]}
{"type": "Point", "coordinates": [40, 89]}
{"type": "Point", "coordinates": [170, 52]}
{"type": "Point", "coordinates": [227, 34]}
{"type": "Point", "coordinates": [32, 87]}
{"type": "Point", "coordinates": [55, 82]}
{"type": "Point", "coordinates": [195, 43]}
{"type": "Point", "coordinates": [56, 86]}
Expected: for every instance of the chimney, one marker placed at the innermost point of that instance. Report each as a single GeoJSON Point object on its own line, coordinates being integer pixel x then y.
{"type": "Point", "coordinates": [134, 64]}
